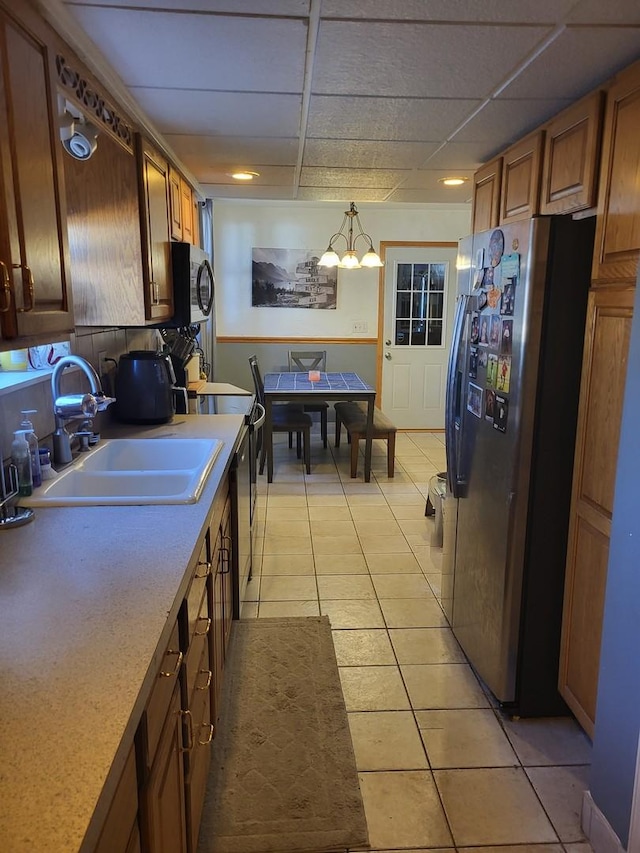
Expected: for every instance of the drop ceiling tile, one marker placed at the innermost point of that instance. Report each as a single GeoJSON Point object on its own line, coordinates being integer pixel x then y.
{"type": "Point", "coordinates": [346, 194]}
{"type": "Point", "coordinates": [392, 119]}
{"type": "Point", "coordinates": [508, 120]}
{"type": "Point", "coordinates": [597, 12]}
{"type": "Point", "coordinates": [362, 154]}
{"type": "Point", "coordinates": [420, 179]}
{"type": "Point", "coordinates": [223, 53]}
{"type": "Point", "coordinates": [225, 149]}
{"type": "Point", "coordinates": [561, 69]}
{"type": "Point", "coordinates": [433, 195]}
{"type": "Point", "coordinates": [269, 176]}
{"type": "Point", "coordinates": [227, 191]}
{"type": "Point", "coordinates": [418, 60]}
{"type": "Point", "coordinates": [524, 11]}
{"type": "Point", "coordinates": [374, 178]}
{"type": "Point", "coordinates": [220, 113]}
{"type": "Point", "coordinates": [459, 156]}
{"type": "Point", "coordinates": [245, 7]}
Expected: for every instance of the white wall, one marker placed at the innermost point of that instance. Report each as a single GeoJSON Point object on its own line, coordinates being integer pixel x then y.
{"type": "Point", "coordinates": [241, 225]}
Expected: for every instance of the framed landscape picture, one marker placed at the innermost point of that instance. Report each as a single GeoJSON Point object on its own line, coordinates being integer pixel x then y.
{"type": "Point", "coordinates": [291, 278]}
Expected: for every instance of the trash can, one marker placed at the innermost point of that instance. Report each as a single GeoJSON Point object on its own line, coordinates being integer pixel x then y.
{"type": "Point", "coordinates": [437, 492]}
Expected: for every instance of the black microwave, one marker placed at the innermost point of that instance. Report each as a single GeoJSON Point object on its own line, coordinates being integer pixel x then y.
{"type": "Point", "coordinates": [193, 285]}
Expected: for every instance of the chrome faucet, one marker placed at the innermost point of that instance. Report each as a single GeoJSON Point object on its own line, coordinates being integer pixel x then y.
{"type": "Point", "coordinates": [70, 406]}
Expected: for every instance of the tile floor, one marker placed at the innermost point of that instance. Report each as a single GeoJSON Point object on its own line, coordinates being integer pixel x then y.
{"type": "Point", "coordinates": [440, 766]}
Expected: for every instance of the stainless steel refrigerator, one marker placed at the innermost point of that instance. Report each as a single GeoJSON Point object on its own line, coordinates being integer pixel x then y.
{"type": "Point", "coordinates": [511, 410]}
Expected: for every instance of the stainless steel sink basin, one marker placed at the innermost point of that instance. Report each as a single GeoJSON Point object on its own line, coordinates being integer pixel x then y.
{"type": "Point", "coordinates": [130, 471]}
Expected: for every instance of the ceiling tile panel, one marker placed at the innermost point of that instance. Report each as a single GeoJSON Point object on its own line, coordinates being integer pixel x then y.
{"type": "Point", "coordinates": [236, 191]}
{"type": "Point", "coordinates": [439, 195]}
{"type": "Point", "coordinates": [375, 178]}
{"type": "Point", "coordinates": [239, 7]}
{"type": "Point", "coordinates": [459, 155]}
{"type": "Point", "coordinates": [508, 120]}
{"type": "Point", "coordinates": [420, 179]}
{"type": "Point", "coordinates": [393, 119]}
{"type": "Point", "coordinates": [608, 49]}
{"type": "Point", "coordinates": [597, 12]}
{"type": "Point", "coordinates": [418, 60]}
{"type": "Point", "coordinates": [346, 194]}
{"type": "Point", "coordinates": [220, 113]}
{"type": "Point", "coordinates": [269, 176]}
{"type": "Point", "coordinates": [245, 152]}
{"type": "Point", "coordinates": [224, 53]}
{"type": "Point", "coordinates": [360, 154]}
{"type": "Point", "coordinates": [490, 11]}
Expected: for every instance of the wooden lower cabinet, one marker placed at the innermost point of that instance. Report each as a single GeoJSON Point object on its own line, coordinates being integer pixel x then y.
{"type": "Point", "coordinates": [607, 338]}
{"type": "Point", "coordinates": [121, 833]}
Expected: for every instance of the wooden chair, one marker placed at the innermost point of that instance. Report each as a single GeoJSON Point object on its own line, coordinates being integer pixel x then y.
{"type": "Point", "coordinates": [302, 361]}
{"type": "Point", "coordinates": [284, 418]}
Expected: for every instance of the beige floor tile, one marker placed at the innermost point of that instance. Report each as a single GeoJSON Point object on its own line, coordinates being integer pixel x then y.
{"type": "Point", "coordinates": [360, 500]}
{"type": "Point", "coordinates": [280, 609]}
{"type": "Point", "coordinates": [282, 489]}
{"type": "Point", "coordinates": [425, 850]}
{"type": "Point", "coordinates": [402, 586]}
{"type": "Point", "coordinates": [422, 526]}
{"type": "Point", "coordinates": [285, 513]}
{"type": "Point", "coordinates": [326, 500]}
{"type": "Point", "coordinates": [400, 499]}
{"type": "Point", "coordinates": [560, 790]}
{"type": "Point", "coordinates": [340, 564]}
{"type": "Point", "coordinates": [551, 740]}
{"type": "Point", "coordinates": [469, 738]}
{"type": "Point", "coordinates": [430, 559]}
{"type": "Point", "coordinates": [290, 588]}
{"type": "Point", "coordinates": [252, 591]}
{"type": "Point", "coordinates": [370, 513]}
{"type": "Point", "coordinates": [373, 688]}
{"type": "Point", "coordinates": [330, 513]}
{"type": "Point", "coordinates": [365, 647]}
{"type": "Point", "coordinates": [410, 613]}
{"type": "Point", "coordinates": [344, 527]}
{"type": "Point", "coordinates": [492, 806]}
{"type": "Point", "coordinates": [386, 740]}
{"type": "Point", "coordinates": [354, 487]}
{"type": "Point", "coordinates": [521, 848]}
{"type": "Point", "coordinates": [444, 685]}
{"type": "Point", "coordinates": [426, 645]}
{"type": "Point", "coordinates": [434, 579]}
{"type": "Point", "coordinates": [287, 545]}
{"type": "Point", "coordinates": [580, 847]}
{"type": "Point", "coordinates": [409, 512]}
{"type": "Point", "coordinates": [288, 527]}
{"type": "Point", "coordinates": [249, 610]}
{"type": "Point", "coordinates": [287, 564]}
{"type": "Point", "coordinates": [353, 614]}
{"type": "Point", "coordinates": [385, 545]}
{"type": "Point", "coordinates": [403, 810]}
{"type": "Point", "coordinates": [277, 501]}
{"type": "Point", "coordinates": [388, 564]}
{"type": "Point", "coordinates": [324, 488]}
{"type": "Point", "coordinates": [339, 544]}
{"type": "Point", "coordinates": [345, 587]}
{"type": "Point", "coordinates": [377, 527]}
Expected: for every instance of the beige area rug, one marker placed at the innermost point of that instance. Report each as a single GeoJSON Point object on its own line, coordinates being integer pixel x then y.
{"type": "Point", "coordinates": [283, 774]}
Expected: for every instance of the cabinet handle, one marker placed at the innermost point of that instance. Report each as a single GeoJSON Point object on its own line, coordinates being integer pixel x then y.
{"type": "Point", "coordinates": [155, 292]}
{"type": "Point", "coordinates": [166, 674]}
{"type": "Point", "coordinates": [209, 675]}
{"type": "Point", "coordinates": [30, 287]}
{"type": "Point", "coordinates": [187, 716]}
{"type": "Point", "coordinates": [206, 630]}
{"type": "Point", "coordinates": [207, 569]}
{"type": "Point", "coordinates": [210, 737]}
{"type": "Point", "coordinates": [226, 555]}
{"type": "Point", "coordinates": [6, 289]}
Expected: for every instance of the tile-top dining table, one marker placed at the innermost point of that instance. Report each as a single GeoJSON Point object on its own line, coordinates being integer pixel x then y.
{"type": "Point", "coordinates": [299, 388]}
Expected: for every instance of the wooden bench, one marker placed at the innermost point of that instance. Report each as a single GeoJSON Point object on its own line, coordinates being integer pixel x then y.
{"type": "Point", "coordinates": [354, 417]}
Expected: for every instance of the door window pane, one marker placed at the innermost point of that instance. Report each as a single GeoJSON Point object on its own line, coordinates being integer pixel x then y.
{"type": "Point", "coordinates": [402, 332]}
{"type": "Point", "coordinates": [403, 304]}
{"type": "Point", "coordinates": [420, 304]}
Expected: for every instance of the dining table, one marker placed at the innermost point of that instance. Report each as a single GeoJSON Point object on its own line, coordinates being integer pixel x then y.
{"type": "Point", "coordinates": [306, 387]}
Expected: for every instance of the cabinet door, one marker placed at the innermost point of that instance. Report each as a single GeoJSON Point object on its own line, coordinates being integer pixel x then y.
{"type": "Point", "coordinates": [617, 245]}
{"type": "Point", "coordinates": [154, 199]}
{"type": "Point", "coordinates": [486, 196]}
{"type": "Point", "coordinates": [227, 576]}
{"type": "Point", "coordinates": [199, 752]}
{"type": "Point", "coordinates": [571, 152]}
{"type": "Point", "coordinates": [186, 199]}
{"type": "Point", "coordinates": [601, 397]}
{"type": "Point", "coordinates": [520, 190]}
{"type": "Point", "coordinates": [33, 247]}
{"type": "Point", "coordinates": [122, 821]}
{"type": "Point", "coordinates": [175, 206]}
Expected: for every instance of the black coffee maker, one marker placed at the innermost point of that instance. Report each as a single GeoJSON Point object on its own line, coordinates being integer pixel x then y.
{"type": "Point", "coordinates": [146, 389]}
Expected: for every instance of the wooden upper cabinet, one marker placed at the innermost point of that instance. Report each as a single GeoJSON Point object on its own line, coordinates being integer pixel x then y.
{"type": "Point", "coordinates": [35, 297]}
{"type": "Point", "coordinates": [186, 201]}
{"type": "Point", "coordinates": [175, 206]}
{"type": "Point", "coordinates": [153, 178]}
{"type": "Point", "coordinates": [520, 191]}
{"type": "Point", "coordinates": [617, 245]}
{"type": "Point", "coordinates": [571, 157]}
{"type": "Point", "coordinates": [486, 196]}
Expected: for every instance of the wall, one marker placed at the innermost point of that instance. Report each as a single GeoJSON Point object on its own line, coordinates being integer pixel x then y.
{"type": "Point", "coordinates": [618, 715]}
{"type": "Point", "coordinates": [241, 225]}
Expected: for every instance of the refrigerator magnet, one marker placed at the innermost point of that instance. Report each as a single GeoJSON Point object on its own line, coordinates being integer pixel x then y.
{"type": "Point", "coordinates": [510, 266]}
{"type": "Point", "coordinates": [493, 296]}
{"type": "Point", "coordinates": [480, 276]}
{"type": "Point", "coordinates": [489, 405]}
{"type": "Point", "coordinates": [482, 300]}
{"type": "Point", "coordinates": [504, 373]}
{"type": "Point", "coordinates": [496, 247]}
{"type": "Point", "coordinates": [475, 328]}
{"type": "Point", "coordinates": [501, 413]}
{"type": "Point", "coordinates": [506, 340]}
{"type": "Point", "coordinates": [508, 300]}
{"type": "Point", "coordinates": [492, 370]}
{"type": "Point", "coordinates": [484, 332]}
{"type": "Point", "coordinates": [482, 358]}
{"type": "Point", "coordinates": [494, 331]}
{"type": "Point", "coordinates": [473, 362]}
{"type": "Point", "coordinates": [474, 400]}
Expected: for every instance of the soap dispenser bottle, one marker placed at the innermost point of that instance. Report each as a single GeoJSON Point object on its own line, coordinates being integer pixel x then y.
{"type": "Point", "coordinates": [34, 450]}
{"type": "Point", "coordinates": [21, 458]}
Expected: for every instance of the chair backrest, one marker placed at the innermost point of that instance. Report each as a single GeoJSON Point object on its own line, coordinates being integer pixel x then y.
{"type": "Point", "coordinates": [257, 379]}
{"type": "Point", "coordinates": [303, 360]}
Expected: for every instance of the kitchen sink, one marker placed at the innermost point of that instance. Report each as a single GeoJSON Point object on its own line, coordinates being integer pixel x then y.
{"type": "Point", "coordinates": [132, 471]}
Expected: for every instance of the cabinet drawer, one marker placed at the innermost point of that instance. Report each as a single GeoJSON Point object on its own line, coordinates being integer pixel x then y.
{"type": "Point", "coordinates": [199, 755]}
{"type": "Point", "coordinates": [121, 823]}
{"type": "Point", "coordinates": [197, 642]}
{"type": "Point", "coordinates": [158, 705]}
{"type": "Point", "coordinates": [197, 590]}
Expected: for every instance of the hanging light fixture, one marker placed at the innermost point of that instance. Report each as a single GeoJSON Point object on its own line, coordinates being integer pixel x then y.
{"type": "Point", "coordinates": [350, 259]}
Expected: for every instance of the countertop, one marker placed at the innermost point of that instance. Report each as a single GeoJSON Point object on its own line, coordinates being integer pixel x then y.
{"type": "Point", "coordinates": [85, 596]}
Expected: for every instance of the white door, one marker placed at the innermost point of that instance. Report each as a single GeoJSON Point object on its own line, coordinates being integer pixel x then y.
{"type": "Point", "coordinates": [419, 302]}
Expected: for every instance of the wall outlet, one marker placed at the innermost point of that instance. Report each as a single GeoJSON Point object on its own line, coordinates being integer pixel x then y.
{"type": "Point", "coordinates": [359, 327]}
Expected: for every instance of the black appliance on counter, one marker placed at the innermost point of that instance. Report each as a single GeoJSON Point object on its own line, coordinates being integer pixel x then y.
{"type": "Point", "coordinates": [145, 388]}
{"type": "Point", "coordinates": [193, 286]}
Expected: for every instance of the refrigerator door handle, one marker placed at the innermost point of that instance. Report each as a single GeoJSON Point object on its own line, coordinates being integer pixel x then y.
{"type": "Point", "coordinates": [451, 444]}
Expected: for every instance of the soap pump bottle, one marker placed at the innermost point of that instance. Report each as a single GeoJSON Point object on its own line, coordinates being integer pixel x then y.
{"type": "Point", "coordinates": [21, 458]}
{"type": "Point", "coordinates": [32, 440]}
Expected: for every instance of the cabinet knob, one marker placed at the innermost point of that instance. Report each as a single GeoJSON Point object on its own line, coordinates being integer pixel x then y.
{"type": "Point", "coordinates": [6, 289]}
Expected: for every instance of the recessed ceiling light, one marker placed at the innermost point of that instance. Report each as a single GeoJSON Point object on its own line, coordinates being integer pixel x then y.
{"type": "Point", "coordinates": [245, 175]}
{"type": "Point", "coordinates": [452, 182]}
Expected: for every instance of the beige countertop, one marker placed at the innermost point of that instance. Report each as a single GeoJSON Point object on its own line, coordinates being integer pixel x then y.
{"type": "Point", "coordinates": [85, 596]}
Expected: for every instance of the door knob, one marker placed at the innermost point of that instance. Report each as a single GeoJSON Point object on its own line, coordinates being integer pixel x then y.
{"type": "Point", "coordinates": [387, 355]}
{"type": "Point", "coordinates": [387, 343]}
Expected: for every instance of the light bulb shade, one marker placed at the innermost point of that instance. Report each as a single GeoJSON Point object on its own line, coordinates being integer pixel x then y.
{"type": "Point", "coordinates": [329, 259]}
{"type": "Point", "coordinates": [350, 261]}
{"type": "Point", "coordinates": [371, 259]}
